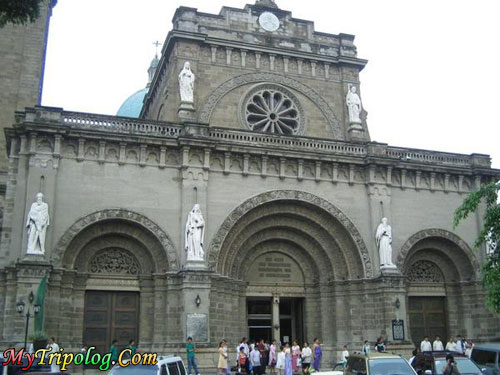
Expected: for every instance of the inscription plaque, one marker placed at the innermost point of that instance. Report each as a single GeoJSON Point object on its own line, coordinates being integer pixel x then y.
{"type": "Point", "coordinates": [197, 327]}
{"type": "Point", "coordinates": [398, 329]}
{"type": "Point", "coordinates": [275, 268]}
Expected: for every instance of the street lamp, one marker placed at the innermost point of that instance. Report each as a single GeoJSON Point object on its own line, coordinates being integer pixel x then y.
{"type": "Point", "coordinates": [20, 309]}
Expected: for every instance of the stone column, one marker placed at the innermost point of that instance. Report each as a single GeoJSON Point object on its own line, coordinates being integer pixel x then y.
{"type": "Point", "coordinates": [196, 301]}
{"type": "Point", "coordinates": [276, 318]}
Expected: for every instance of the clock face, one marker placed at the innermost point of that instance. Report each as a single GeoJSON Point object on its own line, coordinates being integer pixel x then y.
{"type": "Point", "coordinates": [269, 21]}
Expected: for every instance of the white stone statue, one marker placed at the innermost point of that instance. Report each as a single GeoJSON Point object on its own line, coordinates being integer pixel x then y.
{"type": "Point", "coordinates": [353, 102]}
{"type": "Point", "coordinates": [37, 223]}
{"type": "Point", "coordinates": [186, 83]}
{"type": "Point", "coordinates": [384, 241]}
{"type": "Point", "coordinates": [194, 235]}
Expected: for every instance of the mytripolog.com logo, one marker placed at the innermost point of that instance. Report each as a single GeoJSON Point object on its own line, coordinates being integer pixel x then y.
{"type": "Point", "coordinates": [90, 358]}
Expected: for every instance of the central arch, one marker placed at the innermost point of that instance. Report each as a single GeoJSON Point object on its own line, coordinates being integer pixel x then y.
{"type": "Point", "coordinates": [310, 222]}
{"type": "Point", "coordinates": [289, 251]}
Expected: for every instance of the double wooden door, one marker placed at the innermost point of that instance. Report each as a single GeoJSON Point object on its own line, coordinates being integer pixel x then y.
{"type": "Point", "coordinates": [427, 318]}
{"type": "Point", "coordinates": [109, 316]}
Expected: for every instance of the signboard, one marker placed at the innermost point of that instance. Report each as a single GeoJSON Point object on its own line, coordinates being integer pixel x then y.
{"type": "Point", "coordinates": [398, 330]}
{"type": "Point", "coordinates": [197, 327]}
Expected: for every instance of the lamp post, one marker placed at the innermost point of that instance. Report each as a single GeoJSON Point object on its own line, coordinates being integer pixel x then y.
{"type": "Point", "coordinates": [20, 309]}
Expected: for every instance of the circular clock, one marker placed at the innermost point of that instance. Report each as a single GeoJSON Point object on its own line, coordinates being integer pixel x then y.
{"type": "Point", "coordinates": [269, 21]}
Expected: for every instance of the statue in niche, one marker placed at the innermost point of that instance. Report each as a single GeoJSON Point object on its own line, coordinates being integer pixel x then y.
{"type": "Point", "coordinates": [353, 102]}
{"type": "Point", "coordinates": [194, 234]}
{"type": "Point", "coordinates": [37, 223]}
{"type": "Point", "coordinates": [384, 244]}
{"type": "Point", "coordinates": [186, 83]}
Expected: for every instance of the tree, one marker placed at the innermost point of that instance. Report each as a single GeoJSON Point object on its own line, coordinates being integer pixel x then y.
{"type": "Point", "coordinates": [489, 235]}
{"type": "Point", "coordinates": [19, 11]}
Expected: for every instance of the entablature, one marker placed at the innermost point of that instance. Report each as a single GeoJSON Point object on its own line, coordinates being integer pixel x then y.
{"type": "Point", "coordinates": [44, 133]}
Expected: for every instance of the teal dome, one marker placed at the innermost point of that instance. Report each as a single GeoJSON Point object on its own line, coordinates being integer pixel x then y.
{"type": "Point", "coordinates": [133, 105]}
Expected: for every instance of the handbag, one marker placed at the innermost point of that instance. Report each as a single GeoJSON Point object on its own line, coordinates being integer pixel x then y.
{"type": "Point", "coordinates": [299, 362]}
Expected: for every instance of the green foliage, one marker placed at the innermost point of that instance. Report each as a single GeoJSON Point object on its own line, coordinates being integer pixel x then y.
{"type": "Point", "coordinates": [19, 11]}
{"type": "Point", "coordinates": [489, 234]}
{"type": "Point", "coordinates": [39, 335]}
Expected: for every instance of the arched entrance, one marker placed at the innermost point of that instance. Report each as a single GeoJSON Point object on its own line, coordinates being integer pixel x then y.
{"type": "Point", "coordinates": [116, 267]}
{"type": "Point", "coordinates": [287, 249]}
{"type": "Point", "coordinates": [436, 265]}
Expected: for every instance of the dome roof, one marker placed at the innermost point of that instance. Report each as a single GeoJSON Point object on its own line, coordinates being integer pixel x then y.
{"type": "Point", "coordinates": [133, 105]}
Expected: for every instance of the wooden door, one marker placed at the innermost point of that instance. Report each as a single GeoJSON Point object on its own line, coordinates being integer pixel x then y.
{"type": "Point", "coordinates": [427, 318]}
{"type": "Point", "coordinates": [109, 316]}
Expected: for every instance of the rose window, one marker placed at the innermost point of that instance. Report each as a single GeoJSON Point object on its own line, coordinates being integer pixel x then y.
{"type": "Point", "coordinates": [272, 111]}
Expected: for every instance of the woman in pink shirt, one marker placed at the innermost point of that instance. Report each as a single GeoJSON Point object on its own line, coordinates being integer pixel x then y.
{"type": "Point", "coordinates": [295, 357]}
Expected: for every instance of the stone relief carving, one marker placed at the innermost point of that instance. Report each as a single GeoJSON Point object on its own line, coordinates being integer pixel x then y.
{"type": "Point", "coordinates": [117, 261]}
{"type": "Point", "coordinates": [79, 225]}
{"type": "Point", "coordinates": [112, 153]}
{"type": "Point", "coordinates": [44, 145]}
{"type": "Point", "coordinates": [37, 223]}
{"type": "Point", "coordinates": [231, 84]}
{"type": "Point", "coordinates": [152, 158]}
{"type": "Point", "coordinates": [238, 212]}
{"type": "Point", "coordinates": [424, 271]}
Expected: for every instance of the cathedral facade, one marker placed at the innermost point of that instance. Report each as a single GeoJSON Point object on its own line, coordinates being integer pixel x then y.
{"type": "Point", "coordinates": [255, 117]}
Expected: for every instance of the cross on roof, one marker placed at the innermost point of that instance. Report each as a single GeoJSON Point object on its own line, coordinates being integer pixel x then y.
{"type": "Point", "coordinates": [157, 44]}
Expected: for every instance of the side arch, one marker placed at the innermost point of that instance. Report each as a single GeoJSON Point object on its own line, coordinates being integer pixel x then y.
{"type": "Point", "coordinates": [229, 233]}
{"type": "Point", "coordinates": [455, 250]}
{"type": "Point", "coordinates": [226, 87]}
{"type": "Point", "coordinates": [144, 230]}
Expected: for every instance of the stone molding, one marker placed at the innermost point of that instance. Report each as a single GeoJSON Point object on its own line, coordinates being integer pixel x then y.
{"type": "Point", "coordinates": [436, 233]}
{"type": "Point", "coordinates": [118, 213]}
{"type": "Point", "coordinates": [273, 195]}
{"type": "Point", "coordinates": [229, 85]}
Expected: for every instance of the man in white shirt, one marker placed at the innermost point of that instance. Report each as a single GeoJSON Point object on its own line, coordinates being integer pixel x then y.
{"type": "Point", "coordinates": [460, 345]}
{"type": "Point", "coordinates": [54, 348]}
{"type": "Point", "coordinates": [437, 345]}
{"type": "Point", "coordinates": [255, 361]}
{"type": "Point", "coordinates": [425, 346]}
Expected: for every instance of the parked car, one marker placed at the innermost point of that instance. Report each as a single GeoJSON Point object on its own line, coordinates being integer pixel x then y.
{"type": "Point", "coordinates": [17, 369]}
{"type": "Point", "coordinates": [338, 369]}
{"type": "Point", "coordinates": [435, 362]}
{"type": "Point", "coordinates": [167, 365]}
{"type": "Point", "coordinates": [487, 356]}
{"type": "Point", "coordinates": [377, 364]}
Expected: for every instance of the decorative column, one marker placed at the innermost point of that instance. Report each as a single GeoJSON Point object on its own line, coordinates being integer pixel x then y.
{"type": "Point", "coordinates": [276, 318]}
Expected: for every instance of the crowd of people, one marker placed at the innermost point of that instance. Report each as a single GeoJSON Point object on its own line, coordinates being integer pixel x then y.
{"type": "Point", "coordinates": [460, 345]}
{"type": "Point", "coordinates": [258, 357]}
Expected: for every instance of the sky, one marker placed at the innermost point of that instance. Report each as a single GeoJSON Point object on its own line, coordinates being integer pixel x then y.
{"type": "Point", "coordinates": [432, 80]}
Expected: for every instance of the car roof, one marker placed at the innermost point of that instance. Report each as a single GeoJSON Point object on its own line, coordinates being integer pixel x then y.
{"type": "Point", "coordinates": [167, 358]}
{"type": "Point", "coordinates": [492, 346]}
{"type": "Point", "coordinates": [376, 355]}
{"type": "Point", "coordinates": [442, 353]}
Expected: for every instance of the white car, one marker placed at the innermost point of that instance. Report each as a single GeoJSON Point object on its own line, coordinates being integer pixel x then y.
{"type": "Point", "coordinates": [167, 365]}
{"type": "Point", "coordinates": [338, 369]}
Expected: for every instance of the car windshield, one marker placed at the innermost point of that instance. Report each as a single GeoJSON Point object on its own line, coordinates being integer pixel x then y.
{"type": "Point", "coordinates": [390, 366]}
{"type": "Point", "coordinates": [465, 366]}
{"type": "Point", "coordinates": [135, 370]}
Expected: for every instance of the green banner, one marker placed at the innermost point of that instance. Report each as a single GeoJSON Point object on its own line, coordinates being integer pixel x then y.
{"type": "Point", "coordinates": [39, 300]}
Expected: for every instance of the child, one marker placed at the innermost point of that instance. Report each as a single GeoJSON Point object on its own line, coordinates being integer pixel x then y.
{"type": "Point", "coordinates": [280, 362]}
{"type": "Point", "coordinates": [242, 361]}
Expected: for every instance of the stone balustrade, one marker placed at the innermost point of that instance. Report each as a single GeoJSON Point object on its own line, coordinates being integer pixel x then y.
{"type": "Point", "coordinates": [40, 116]}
